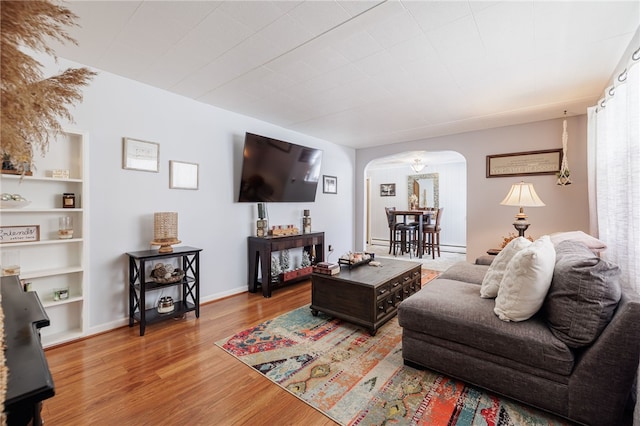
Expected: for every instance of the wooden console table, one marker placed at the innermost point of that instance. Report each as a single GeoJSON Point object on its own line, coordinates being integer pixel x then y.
{"type": "Point", "coordinates": [261, 248]}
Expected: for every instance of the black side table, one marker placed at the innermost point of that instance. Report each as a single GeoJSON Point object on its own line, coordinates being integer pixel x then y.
{"type": "Point", "coordinates": [138, 285]}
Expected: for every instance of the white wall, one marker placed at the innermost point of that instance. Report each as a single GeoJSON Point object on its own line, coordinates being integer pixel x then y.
{"type": "Point", "coordinates": [452, 190]}
{"type": "Point", "coordinates": [488, 221]}
{"type": "Point", "coordinates": [123, 201]}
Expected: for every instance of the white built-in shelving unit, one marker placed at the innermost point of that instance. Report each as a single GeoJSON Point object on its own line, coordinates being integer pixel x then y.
{"type": "Point", "coordinates": [52, 263]}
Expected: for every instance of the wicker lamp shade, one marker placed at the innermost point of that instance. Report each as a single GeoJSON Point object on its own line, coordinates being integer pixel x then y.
{"type": "Point", "coordinates": [165, 231]}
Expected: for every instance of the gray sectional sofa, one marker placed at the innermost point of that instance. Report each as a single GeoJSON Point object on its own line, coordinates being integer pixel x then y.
{"type": "Point", "coordinates": [584, 374]}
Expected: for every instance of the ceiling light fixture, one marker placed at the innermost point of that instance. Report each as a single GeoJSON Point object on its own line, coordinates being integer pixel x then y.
{"type": "Point", "coordinates": [417, 165]}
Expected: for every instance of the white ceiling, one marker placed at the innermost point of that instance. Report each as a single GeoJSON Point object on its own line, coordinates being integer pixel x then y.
{"type": "Point", "coordinates": [365, 73]}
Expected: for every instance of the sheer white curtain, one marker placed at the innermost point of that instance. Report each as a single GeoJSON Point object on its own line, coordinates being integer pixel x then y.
{"type": "Point", "coordinates": [614, 176]}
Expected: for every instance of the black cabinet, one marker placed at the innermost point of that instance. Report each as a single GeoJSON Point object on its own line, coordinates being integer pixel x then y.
{"type": "Point", "coordinates": [140, 284]}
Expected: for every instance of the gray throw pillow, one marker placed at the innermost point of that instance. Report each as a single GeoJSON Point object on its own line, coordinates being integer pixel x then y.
{"type": "Point", "coordinates": [583, 296]}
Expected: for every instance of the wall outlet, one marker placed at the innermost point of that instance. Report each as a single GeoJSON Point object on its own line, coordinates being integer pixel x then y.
{"type": "Point", "coordinates": [330, 247]}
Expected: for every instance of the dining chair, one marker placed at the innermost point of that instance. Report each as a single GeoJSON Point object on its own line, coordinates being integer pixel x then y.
{"type": "Point", "coordinates": [402, 236]}
{"type": "Point", "coordinates": [408, 238]}
{"type": "Point", "coordinates": [431, 235]}
{"type": "Point", "coordinates": [391, 221]}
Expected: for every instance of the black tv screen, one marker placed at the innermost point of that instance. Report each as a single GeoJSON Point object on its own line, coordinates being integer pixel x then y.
{"type": "Point", "coordinates": [278, 171]}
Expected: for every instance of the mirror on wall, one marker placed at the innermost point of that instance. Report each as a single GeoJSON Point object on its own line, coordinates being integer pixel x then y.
{"type": "Point", "coordinates": [425, 187]}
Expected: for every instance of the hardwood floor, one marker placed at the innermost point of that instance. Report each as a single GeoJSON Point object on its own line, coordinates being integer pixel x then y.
{"type": "Point", "coordinates": [174, 374]}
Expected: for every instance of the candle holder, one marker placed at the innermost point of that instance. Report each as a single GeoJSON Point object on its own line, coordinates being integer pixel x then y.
{"type": "Point", "coordinates": [262, 225]}
{"type": "Point", "coordinates": [65, 227]}
{"type": "Point", "coordinates": [10, 263]}
{"type": "Point", "coordinates": [306, 222]}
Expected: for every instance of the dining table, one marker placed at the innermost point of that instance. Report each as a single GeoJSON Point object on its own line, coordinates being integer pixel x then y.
{"type": "Point", "coordinates": [423, 217]}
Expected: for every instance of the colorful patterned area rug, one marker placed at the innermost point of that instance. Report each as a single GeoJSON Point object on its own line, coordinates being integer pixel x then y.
{"type": "Point", "coordinates": [428, 275]}
{"type": "Point", "coordinates": [358, 379]}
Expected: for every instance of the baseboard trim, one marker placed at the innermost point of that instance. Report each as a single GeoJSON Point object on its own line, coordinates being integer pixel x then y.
{"type": "Point", "coordinates": [443, 247]}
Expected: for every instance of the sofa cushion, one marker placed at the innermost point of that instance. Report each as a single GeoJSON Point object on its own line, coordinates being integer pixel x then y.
{"type": "Point", "coordinates": [591, 242]}
{"type": "Point", "coordinates": [526, 281]}
{"type": "Point", "coordinates": [452, 310]}
{"type": "Point", "coordinates": [493, 277]}
{"type": "Point", "coordinates": [465, 271]}
{"type": "Point", "coordinates": [583, 296]}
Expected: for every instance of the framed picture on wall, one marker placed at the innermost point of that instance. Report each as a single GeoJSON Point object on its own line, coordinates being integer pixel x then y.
{"type": "Point", "coordinates": [387, 189]}
{"type": "Point", "coordinates": [140, 155]}
{"type": "Point", "coordinates": [183, 175]}
{"type": "Point", "coordinates": [543, 162]}
{"type": "Point", "coordinates": [329, 184]}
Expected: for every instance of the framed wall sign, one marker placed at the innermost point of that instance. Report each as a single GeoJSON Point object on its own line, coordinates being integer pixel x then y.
{"type": "Point", "coordinates": [19, 234]}
{"type": "Point", "coordinates": [387, 189]}
{"type": "Point", "coordinates": [140, 155]}
{"type": "Point", "coordinates": [329, 184]}
{"type": "Point", "coordinates": [545, 162]}
{"type": "Point", "coordinates": [183, 175]}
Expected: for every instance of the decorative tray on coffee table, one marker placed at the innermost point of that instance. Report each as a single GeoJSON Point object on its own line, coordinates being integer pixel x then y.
{"type": "Point", "coordinates": [355, 259]}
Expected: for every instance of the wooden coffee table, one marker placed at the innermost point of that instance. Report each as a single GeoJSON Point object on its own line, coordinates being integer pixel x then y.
{"type": "Point", "coordinates": [365, 295]}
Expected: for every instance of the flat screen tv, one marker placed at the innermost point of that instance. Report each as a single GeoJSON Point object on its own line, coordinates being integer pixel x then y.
{"type": "Point", "coordinates": [278, 171]}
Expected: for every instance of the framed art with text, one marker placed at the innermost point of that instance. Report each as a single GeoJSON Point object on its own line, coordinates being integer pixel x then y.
{"type": "Point", "coordinates": [140, 155]}
{"type": "Point", "coordinates": [19, 234]}
{"type": "Point", "coordinates": [544, 162]}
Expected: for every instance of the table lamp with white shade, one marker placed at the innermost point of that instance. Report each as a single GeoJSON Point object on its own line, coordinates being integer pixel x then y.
{"type": "Point", "coordinates": [522, 195]}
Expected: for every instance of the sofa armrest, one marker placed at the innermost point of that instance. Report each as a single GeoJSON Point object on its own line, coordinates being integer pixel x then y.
{"type": "Point", "coordinates": [485, 259]}
{"type": "Point", "coordinates": [605, 372]}
{"type": "Point", "coordinates": [466, 272]}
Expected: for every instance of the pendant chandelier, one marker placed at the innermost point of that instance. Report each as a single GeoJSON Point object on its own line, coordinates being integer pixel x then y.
{"type": "Point", "coordinates": [417, 165]}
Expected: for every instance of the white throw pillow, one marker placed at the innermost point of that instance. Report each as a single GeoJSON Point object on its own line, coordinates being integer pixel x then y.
{"type": "Point", "coordinates": [493, 277]}
{"type": "Point", "coordinates": [526, 281]}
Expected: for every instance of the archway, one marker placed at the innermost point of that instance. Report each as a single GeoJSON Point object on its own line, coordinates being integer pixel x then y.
{"type": "Point", "coordinates": [442, 182]}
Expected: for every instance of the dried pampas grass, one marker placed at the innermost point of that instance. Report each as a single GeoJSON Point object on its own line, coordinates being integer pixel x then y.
{"type": "Point", "coordinates": [31, 106]}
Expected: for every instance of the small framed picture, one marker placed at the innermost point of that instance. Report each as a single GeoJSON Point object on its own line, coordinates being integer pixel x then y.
{"type": "Point", "coordinates": [329, 184]}
{"type": "Point", "coordinates": [387, 189]}
{"type": "Point", "coordinates": [140, 155]}
{"type": "Point", "coordinates": [183, 175]}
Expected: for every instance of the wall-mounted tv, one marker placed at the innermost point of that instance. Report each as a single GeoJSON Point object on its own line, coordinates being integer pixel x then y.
{"type": "Point", "coordinates": [278, 171]}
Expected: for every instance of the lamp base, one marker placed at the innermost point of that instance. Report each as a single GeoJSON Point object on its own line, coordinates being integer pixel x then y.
{"type": "Point", "coordinates": [165, 244]}
{"type": "Point", "coordinates": [521, 225]}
